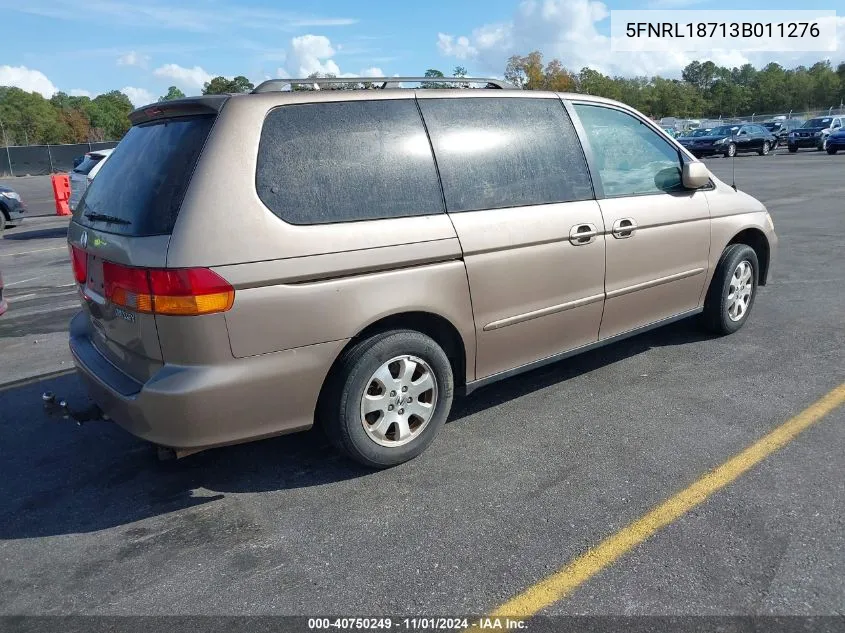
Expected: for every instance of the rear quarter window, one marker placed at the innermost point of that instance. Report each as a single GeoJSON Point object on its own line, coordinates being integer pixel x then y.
{"type": "Point", "coordinates": [497, 152]}
{"type": "Point", "coordinates": [321, 163]}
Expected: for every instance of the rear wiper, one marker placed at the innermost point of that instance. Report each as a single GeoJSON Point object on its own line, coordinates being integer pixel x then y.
{"type": "Point", "coordinates": [103, 217]}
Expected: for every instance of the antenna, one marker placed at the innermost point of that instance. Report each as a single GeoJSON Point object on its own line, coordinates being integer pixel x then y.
{"type": "Point", "coordinates": [733, 167]}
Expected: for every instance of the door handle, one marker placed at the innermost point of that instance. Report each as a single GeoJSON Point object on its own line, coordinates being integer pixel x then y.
{"type": "Point", "coordinates": [583, 234]}
{"type": "Point", "coordinates": [624, 227]}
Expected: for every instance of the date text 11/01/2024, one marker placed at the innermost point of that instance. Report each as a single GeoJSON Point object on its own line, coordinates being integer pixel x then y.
{"type": "Point", "coordinates": [679, 30]}
{"type": "Point", "coordinates": [417, 624]}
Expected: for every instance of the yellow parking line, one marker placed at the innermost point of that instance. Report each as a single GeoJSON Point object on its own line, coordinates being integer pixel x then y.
{"type": "Point", "coordinates": [578, 571]}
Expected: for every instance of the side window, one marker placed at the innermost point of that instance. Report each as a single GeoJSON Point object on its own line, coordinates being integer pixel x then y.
{"type": "Point", "coordinates": [320, 163]}
{"type": "Point", "coordinates": [497, 152]}
{"type": "Point", "coordinates": [632, 158]}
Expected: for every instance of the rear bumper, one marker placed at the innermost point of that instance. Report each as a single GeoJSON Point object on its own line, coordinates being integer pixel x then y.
{"type": "Point", "coordinates": [201, 406]}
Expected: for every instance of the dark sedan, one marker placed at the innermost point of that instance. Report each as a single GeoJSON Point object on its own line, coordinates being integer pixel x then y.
{"type": "Point", "coordinates": [836, 141]}
{"type": "Point", "coordinates": [12, 207]}
{"type": "Point", "coordinates": [730, 140]}
{"type": "Point", "coordinates": [781, 129]}
{"type": "Point", "coordinates": [815, 133]}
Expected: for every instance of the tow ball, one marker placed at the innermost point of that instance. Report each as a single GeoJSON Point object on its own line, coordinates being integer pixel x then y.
{"type": "Point", "coordinates": [60, 409]}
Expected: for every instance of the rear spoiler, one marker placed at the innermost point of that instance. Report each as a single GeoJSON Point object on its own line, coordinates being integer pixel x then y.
{"type": "Point", "coordinates": [191, 106]}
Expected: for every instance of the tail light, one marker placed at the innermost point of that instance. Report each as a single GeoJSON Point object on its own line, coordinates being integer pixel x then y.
{"type": "Point", "coordinates": [171, 291]}
{"type": "Point", "coordinates": [79, 260]}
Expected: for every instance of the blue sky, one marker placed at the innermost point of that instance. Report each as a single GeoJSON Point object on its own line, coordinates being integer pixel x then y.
{"type": "Point", "coordinates": [142, 47]}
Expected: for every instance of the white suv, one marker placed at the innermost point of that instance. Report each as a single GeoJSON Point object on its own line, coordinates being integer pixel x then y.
{"type": "Point", "coordinates": [84, 173]}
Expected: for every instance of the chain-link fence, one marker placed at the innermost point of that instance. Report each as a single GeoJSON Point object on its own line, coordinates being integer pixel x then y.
{"type": "Point", "coordinates": [39, 160]}
{"type": "Point", "coordinates": [681, 124]}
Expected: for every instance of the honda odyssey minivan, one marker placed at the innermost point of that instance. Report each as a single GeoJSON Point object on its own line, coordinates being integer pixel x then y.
{"type": "Point", "coordinates": [252, 265]}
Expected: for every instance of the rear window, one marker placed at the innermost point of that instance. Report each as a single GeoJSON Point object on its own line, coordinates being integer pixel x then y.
{"type": "Point", "coordinates": [348, 161]}
{"type": "Point", "coordinates": [498, 152]}
{"type": "Point", "coordinates": [87, 164]}
{"type": "Point", "coordinates": [140, 188]}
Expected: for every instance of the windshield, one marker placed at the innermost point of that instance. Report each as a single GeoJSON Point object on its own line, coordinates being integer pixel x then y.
{"type": "Point", "coordinates": [725, 130]}
{"type": "Point", "coordinates": [87, 165]}
{"type": "Point", "coordinates": [820, 122]}
{"type": "Point", "coordinates": [699, 132]}
{"type": "Point", "coordinates": [772, 126]}
{"type": "Point", "coordinates": [139, 190]}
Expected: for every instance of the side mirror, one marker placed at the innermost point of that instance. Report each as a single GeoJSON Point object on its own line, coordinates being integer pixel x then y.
{"type": "Point", "coordinates": [695, 175]}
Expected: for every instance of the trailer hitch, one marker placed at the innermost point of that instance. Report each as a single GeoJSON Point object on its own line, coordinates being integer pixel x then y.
{"type": "Point", "coordinates": [61, 409]}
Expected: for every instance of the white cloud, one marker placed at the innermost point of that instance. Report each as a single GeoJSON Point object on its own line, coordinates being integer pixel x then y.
{"type": "Point", "coordinates": [138, 96]}
{"type": "Point", "coordinates": [308, 54]}
{"type": "Point", "coordinates": [568, 30]}
{"type": "Point", "coordinates": [133, 58]}
{"type": "Point", "coordinates": [456, 47]}
{"type": "Point", "coordinates": [79, 92]}
{"type": "Point", "coordinates": [27, 79]}
{"type": "Point", "coordinates": [185, 78]}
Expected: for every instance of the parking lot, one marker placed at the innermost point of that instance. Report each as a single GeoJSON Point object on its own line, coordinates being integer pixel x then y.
{"type": "Point", "coordinates": [529, 473]}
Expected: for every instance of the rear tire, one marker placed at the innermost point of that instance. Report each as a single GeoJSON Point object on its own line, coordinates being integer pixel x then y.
{"type": "Point", "coordinates": [2, 222]}
{"type": "Point", "coordinates": [730, 152]}
{"type": "Point", "coordinates": [732, 290]}
{"type": "Point", "coordinates": [765, 150]}
{"type": "Point", "coordinates": [360, 407]}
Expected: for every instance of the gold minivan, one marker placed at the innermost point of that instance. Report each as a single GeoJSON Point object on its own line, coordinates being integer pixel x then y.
{"type": "Point", "coordinates": [249, 265]}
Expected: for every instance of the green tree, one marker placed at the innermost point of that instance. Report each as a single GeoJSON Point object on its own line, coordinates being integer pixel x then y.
{"type": "Point", "coordinates": [434, 73]}
{"type": "Point", "coordinates": [224, 85]}
{"type": "Point", "coordinates": [172, 93]}
{"type": "Point", "coordinates": [109, 112]}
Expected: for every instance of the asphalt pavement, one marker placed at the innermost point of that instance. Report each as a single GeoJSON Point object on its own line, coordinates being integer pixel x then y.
{"type": "Point", "coordinates": [528, 474]}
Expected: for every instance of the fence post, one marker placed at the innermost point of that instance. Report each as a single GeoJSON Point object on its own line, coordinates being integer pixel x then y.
{"type": "Point", "coordinates": [50, 158]}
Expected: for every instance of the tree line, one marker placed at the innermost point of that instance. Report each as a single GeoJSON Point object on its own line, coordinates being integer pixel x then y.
{"type": "Point", "coordinates": [27, 118]}
{"type": "Point", "coordinates": [704, 90]}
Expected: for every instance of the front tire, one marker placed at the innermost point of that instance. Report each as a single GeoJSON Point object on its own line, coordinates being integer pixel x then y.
{"type": "Point", "coordinates": [730, 152]}
{"type": "Point", "coordinates": [732, 290]}
{"type": "Point", "coordinates": [388, 397]}
{"type": "Point", "coordinates": [831, 150]}
{"type": "Point", "coordinates": [792, 149]}
{"type": "Point", "coordinates": [822, 146]}
{"type": "Point", "coordinates": [765, 150]}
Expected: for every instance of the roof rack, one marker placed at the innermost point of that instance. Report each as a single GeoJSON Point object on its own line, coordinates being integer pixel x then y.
{"type": "Point", "coordinates": [273, 85]}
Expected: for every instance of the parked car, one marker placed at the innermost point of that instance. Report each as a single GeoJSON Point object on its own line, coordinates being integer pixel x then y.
{"type": "Point", "coordinates": [363, 284]}
{"type": "Point", "coordinates": [814, 133]}
{"type": "Point", "coordinates": [82, 175]}
{"type": "Point", "coordinates": [12, 207]}
{"type": "Point", "coordinates": [780, 128]}
{"type": "Point", "coordinates": [670, 131]}
{"type": "Point", "coordinates": [730, 140]}
{"type": "Point", "coordinates": [3, 303]}
{"type": "Point", "coordinates": [687, 137]}
{"type": "Point", "coordinates": [836, 141]}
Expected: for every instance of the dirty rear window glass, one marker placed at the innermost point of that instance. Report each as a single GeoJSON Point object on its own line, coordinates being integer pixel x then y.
{"type": "Point", "coordinates": [321, 163]}
{"type": "Point", "coordinates": [500, 152]}
{"type": "Point", "coordinates": [139, 189]}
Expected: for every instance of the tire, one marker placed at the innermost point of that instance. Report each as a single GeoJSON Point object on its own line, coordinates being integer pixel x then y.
{"type": "Point", "coordinates": [822, 146]}
{"type": "Point", "coordinates": [341, 410]}
{"type": "Point", "coordinates": [765, 150]}
{"type": "Point", "coordinates": [831, 150]}
{"type": "Point", "coordinates": [792, 149]}
{"type": "Point", "coordinates": [2, 222]}
{"type": "Point", "coordinates": [721, 314]}
{"type": "Point", "coordinates": [730, 152]}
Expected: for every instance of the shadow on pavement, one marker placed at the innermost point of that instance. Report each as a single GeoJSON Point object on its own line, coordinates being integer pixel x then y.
{"type": "Point", "coordinates": [58, 231]}
{"type": "Point", "coordinates": [58, 478]}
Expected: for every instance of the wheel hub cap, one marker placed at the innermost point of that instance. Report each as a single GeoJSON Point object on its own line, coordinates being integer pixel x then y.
{"type": "Point", "coordinates": [739, 292]}
{"type": "Point", "coordinates": [399, 401]}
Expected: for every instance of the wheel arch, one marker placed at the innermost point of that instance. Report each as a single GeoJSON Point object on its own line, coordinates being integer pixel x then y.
{"type": "Point", "coordinates": [756, 239]}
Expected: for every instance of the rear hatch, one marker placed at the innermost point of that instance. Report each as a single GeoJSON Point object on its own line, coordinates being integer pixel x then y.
{"type": "Point", "coordinates": [121, 230]}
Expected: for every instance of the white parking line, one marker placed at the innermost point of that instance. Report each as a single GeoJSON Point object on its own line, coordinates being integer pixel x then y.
{"type": "Point", "coordinates": [64, 306]}
{"type": "Point", "coordinates": [23, 281]}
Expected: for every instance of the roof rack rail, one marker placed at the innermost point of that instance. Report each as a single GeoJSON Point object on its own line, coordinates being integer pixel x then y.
{"type": "Point", "coordinates": [274, 85]}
